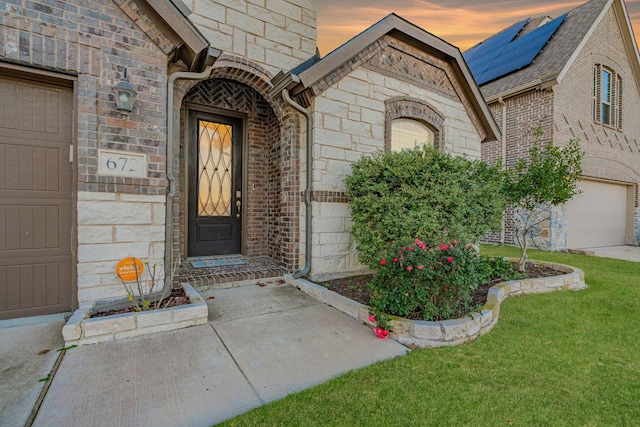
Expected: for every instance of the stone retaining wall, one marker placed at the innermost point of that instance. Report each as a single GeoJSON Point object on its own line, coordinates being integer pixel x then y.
{"type": "Point", "coordinates": [427, 334]}
{"type": "Point", "coordinates": [82, 329]}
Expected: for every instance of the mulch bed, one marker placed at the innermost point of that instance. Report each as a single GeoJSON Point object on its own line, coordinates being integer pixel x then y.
{"type": "Point", "coordinates": [356, 288]}
{"type": "Point", "coordinates": [177, 297]}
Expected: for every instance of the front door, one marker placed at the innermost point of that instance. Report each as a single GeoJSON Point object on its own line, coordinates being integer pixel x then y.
{"type": "Point", "coordinates": [215, 184]}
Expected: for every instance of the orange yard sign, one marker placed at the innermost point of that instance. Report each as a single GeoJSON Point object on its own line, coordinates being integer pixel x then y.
{"type": "Point", "coordinates": [129, 269]}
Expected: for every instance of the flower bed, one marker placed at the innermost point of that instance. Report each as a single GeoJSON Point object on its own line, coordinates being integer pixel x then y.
{"type": "Point", "coordinates": [427, 334]}
{"type": "Point", "coordinates": [82, 329]}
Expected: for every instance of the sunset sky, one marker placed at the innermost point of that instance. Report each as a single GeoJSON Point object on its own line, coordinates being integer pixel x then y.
{"type": "Point", "coordinates": [462, 23]}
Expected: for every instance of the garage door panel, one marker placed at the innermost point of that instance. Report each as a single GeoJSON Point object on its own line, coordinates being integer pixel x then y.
{"type": "Point", "coordinates": [34, 286]}
{"type": "Point", "coordinates": [598, 216]}
{"type": "Point", "coordinates": [33, 108]}
{"type": "Point", "coordinates": [35, 227]}
{"type": "Point", "coordinates": [27, 168]}
{"type": "Point", "coordinates": [35, 198]}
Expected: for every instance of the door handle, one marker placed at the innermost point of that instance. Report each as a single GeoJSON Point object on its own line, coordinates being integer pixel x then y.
{"type": "Point", "coordinates": [239, 206]}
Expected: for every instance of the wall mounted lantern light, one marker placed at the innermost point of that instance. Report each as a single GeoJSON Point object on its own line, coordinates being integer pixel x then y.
{"type": "Point", "coordinates": [125, 95]}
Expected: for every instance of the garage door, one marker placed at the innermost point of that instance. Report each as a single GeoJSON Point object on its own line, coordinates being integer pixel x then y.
{"type": "Point", "coordinates": [598, 216]}
{"type": "Point", "coordinates": [35, 198]}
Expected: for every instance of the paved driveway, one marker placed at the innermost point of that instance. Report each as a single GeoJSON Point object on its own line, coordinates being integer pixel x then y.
{"type": "Point", "coordinates": [627, 253]}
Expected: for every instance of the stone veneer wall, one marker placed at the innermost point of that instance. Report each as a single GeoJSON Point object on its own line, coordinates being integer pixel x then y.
{"type": "Point", "coordinates": [350, 115]}
{"type": "Point", "coordinates": [277, 34]}
{"type": "Point", "coordinates": [112, 226]}
{"type": "Point", "coordinates": [95, 41]}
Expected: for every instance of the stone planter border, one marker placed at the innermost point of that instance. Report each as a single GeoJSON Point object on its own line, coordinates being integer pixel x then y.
{"type": "Point", "coordinates": [82, 329]}
{"type": "Point", "coordinates": [424, 334]}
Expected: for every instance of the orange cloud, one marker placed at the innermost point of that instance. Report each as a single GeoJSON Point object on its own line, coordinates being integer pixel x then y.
{"type": "Point", "coordinates": [462, 26]}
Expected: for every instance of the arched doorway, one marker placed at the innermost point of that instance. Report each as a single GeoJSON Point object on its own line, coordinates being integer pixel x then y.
{"type": "Point", "coordinates": [239, 191]}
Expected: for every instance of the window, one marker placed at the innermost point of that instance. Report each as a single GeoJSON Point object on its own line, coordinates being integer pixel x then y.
{"type": "Point", "coordinates": [407, 133]}
{"type": "Point", "coordinates": [607, 96]}
{"type": "Point", "coordinates": [412, 122]}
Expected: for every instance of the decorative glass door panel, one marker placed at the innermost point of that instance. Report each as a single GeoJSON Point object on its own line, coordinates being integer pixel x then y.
{"type": "Point", "coordinates": [215, 185]}
{"type": "Point", "coordinates": [215, 169]}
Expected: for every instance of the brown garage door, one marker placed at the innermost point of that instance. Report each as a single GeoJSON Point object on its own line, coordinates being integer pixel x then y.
{"type": "Point", "coordinates": [35, 198]}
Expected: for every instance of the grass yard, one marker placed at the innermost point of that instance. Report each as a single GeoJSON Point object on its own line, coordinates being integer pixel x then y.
{"type": "Point", "coordinates": [558, 359]}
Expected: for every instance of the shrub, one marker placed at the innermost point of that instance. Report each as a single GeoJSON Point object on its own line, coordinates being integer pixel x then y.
{"type": "Point", "coordinates": [432, 283]}
{"type": "Point", "coordinates": [421, 192]}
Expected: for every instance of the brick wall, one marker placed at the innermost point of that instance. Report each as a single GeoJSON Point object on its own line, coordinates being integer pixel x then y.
{"type": "Point", "coordinates": [525, 112]}
{"type": "Point", "coordinates": [565, 112]}
{"type": "Point", "coordinates": [611, 154]}
{"type": "Point", "coordinates": [278, 34]}
{"type": "Point", "coordinates": [271, 193]}
{"type": "Point", "coordinates": [96, 40]}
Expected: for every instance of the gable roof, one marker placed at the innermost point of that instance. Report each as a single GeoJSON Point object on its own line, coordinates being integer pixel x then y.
{"type": "Point", "coordinates": [316, 69]}
{"type": "Point", "coordinates": [557, 56]}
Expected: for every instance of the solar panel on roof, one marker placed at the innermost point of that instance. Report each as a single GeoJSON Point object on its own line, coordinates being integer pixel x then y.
{"type": "Point", "coordinates": [520, 52]}
{"type": "Point", "coordinates": [480, 56]}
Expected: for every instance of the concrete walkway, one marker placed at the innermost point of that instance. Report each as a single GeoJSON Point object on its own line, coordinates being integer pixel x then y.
{"type": "Point", "coordinates": [261, 344]}
{"type": "Point", "coordinates": [28, 352]}
{"type": "Point", "coordinates": [627, 253]}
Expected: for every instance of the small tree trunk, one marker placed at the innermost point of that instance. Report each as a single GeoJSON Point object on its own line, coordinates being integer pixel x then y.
{"type": "Point", "coordinates": [522, 263]}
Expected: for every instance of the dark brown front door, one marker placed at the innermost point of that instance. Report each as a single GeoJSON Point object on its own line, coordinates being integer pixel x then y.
{"type": "Point", "coordinates": [215, 184]}
{"type": "Point", "coordinates": [35, 198]}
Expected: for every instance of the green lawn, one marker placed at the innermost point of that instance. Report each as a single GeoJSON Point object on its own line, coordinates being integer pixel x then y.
{"type": "Point", "coordinates": [559, 359]}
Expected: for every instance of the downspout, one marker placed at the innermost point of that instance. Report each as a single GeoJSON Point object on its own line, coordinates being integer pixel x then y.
{"type": "Point", "coordinates": [168, 238]}
{"type": "Point", "coordinates": [309, 186]}
{"type": "Point", "coordinates": [503, 232]}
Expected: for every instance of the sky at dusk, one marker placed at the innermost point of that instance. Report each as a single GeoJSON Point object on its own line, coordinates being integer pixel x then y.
{"type": "Point", "coordinates": [462, 23]}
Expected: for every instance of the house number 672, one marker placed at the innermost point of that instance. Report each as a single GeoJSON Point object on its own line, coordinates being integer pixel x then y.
{"type": "Point", "coordinates": [122, 163]}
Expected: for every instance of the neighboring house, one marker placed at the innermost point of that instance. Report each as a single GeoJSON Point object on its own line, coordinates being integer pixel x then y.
{"type": "Point", "coordinates": [576, 76]}
{"type": "Point", "coordinates": [213, 157]}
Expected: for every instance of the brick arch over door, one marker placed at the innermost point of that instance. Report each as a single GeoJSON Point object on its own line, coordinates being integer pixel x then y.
{"type": "Point", "coordinates": [271, 189]}
{"type": "Point", "coordinates": [610, 170]}
{"type": "Point", "coordinates": [404, 107]}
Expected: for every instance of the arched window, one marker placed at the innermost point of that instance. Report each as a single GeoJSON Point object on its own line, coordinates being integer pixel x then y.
{"type": "Point", "coordinates": [607, 96]}
{"type": "Point", "coordinates": [408, 133]}
{"type": "Point", "coordinates": [412, 122]}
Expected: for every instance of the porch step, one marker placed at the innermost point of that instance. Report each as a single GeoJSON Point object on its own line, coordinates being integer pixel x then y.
{"type": "Point", "coordinates": [230, 276]}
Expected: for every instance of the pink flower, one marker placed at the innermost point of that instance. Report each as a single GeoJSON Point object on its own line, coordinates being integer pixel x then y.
{"type": "Point", "coordinates": [381, 333]}
{"type": "Point", "coordinates": [395, 260]}
{"type": "Point", "coordinates": [383, 262]}
{"type": "Point", "coordinates": [372, 318]}
{"type": "Point", "coordinates": [409, 268]}
{"type": "Point", "coordinates": [444, 247]}
{"type": "Point", "coordinates": [420, 267]}
{"type": "Point", "coordinates": [455, 241]}
{"type": "Point", "coordinates": [450, 259]}
{"type": "Point", "coordinates": [410, 248]}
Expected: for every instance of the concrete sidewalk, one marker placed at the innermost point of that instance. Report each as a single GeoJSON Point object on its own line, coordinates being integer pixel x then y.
{"type": "Point", "coordinates": [261, 344]}
{"type": "Point", "coordinates": [28, 352]}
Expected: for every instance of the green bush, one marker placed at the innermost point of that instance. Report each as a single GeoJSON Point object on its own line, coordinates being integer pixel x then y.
{"type": "Point", "coordinates": [421, 192]}
{"type": "Point", "coordinates": [435, 283]}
